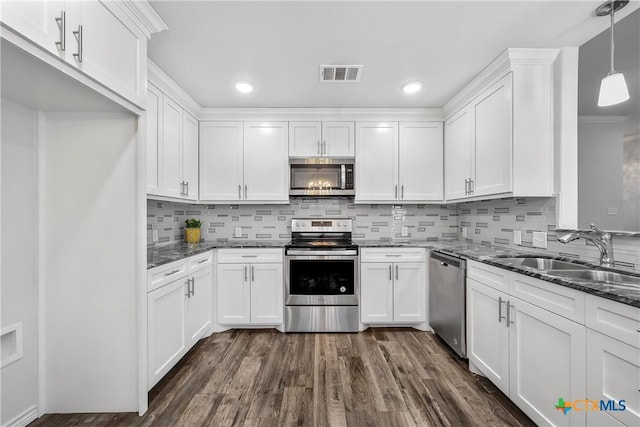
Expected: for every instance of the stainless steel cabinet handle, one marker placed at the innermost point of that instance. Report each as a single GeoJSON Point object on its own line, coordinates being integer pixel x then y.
{"type": "Point", "coordinates": [171, 273]}
{"type": "Point", "coordinates": [249, 256]}
{"type": "Point", "coordinates": [186, 193]}
{"type": "Point", "coordinates": [396, 272]}
{"type": "Point", "coordinates": [78, 35]}
{"type": "Point", "coordinates": [253, 274]}
{"type": "Point", "coordinates": [245, 191]}
{"type": "Point", "coordinates": [509, 322]}
{"type": "Point", "coordinates": [396, 191]}
{"type": "Point", "coordinates": [239, 192]}
{"type": "Point", "coordinates": [324, 147]}
{"type": "Point", "coordinates": [62, 23]}
{"type": "Point", "coordinates": [466, 187]}
{"type": "Point", "coordinates": [319, 149]}
{"type": "Point", "coordinates": [182, 188]}
{"type": "Point", "coordinates": [402, 192]}
{"type": "Point", "coordinates": [390, 274]}
{"type": "Point", "coordinates": [193, 286]}
{"type": "Point", "coordinates": [393, 255]}
{"type": "Point", "coordinates": [203, 260]}
{"type": "Point", "coordinates": [500, 316]}
{"type": "Point", "coordinates": [188, 283]}
{"type": "Point", "coordinates": [471, 190]}
{"type": "Point", "coordinates": [245, 273]}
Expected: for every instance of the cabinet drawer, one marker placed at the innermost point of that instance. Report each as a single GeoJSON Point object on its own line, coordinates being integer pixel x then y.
{"type": "Point", "coordinates": [200, 261]}
{"type": "Point", "coordinates": [393, 255]}
{"type": "Point", "coordinates": [249, 255]}
{"type": "Point", "coordinates": [489, 275]}
{"type": "Point", "coordinates": [160, 276]}
{"type": "Point", "coordinates": [558, 299]}
{"type": "Point", "coordinates": [616, 320]}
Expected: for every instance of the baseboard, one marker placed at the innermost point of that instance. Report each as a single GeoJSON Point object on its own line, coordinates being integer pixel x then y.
{"type": "Point", "coordinates": [23, 419]}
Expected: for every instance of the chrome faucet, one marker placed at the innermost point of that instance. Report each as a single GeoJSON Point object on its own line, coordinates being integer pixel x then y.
{"type": "Point", "coordinates": [602, 240]}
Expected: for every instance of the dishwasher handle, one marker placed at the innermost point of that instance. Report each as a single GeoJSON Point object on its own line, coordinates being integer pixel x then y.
{"type": "Point", "coordinates": [446, 260]}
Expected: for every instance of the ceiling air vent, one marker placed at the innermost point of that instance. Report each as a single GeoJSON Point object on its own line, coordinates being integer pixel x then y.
{"type": "Point", "coordinates": [340, 73]}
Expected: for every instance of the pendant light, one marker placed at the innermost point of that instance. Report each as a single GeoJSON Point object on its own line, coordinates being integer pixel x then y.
{"type": "Point", "coordinates": [613, 88]}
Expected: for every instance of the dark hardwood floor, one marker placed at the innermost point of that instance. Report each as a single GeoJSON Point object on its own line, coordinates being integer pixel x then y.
{"type": "Point", "coordinates": [380, 377]}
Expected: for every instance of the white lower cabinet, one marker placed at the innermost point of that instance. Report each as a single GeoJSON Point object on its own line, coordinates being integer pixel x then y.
{"type": "Point", "coordinates": [393, 292]}
{"type": "Point", "coordinates": [250, 287]}
{"type": "Point", "coordinates": [179, 307]}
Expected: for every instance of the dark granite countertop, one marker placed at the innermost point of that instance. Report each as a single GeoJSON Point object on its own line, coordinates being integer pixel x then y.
{"type": "Point", "coordinates": [160, 255]}
{"type": "Point", "coordinates": [624, 293]}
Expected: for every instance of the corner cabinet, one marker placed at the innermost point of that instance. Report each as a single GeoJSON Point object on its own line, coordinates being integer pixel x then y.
{"type": "Point", "coordinates": [399, 162]}
{"type": "Point", "coordinates": [498, 136]}
{"type": "Point", "coordinates": [321, 139]}
{"type": "Point", "coordinates": [244, 162]}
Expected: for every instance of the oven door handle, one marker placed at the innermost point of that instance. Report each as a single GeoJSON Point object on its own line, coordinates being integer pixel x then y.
{"type": "Point", "coordinates": [313, 252]}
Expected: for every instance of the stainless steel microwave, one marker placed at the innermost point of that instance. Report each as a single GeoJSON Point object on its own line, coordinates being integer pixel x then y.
{"type": "Point", "coordinates": [321, 177]}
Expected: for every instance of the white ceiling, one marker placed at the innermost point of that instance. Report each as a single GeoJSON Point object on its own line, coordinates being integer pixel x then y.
{"type": "Point", "coordinates": [278, 45]}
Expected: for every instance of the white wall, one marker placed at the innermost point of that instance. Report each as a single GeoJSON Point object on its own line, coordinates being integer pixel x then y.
{"type": "Point", "coordinates": [19, 284]}
{"type": "Point", "coordinates": [91, 262]}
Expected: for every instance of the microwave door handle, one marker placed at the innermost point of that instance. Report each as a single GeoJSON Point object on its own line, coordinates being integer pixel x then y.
{"type": "Point", "coordinates": [343, 177]}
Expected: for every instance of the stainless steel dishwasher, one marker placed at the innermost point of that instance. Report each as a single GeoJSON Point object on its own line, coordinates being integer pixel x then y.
{"type": "Point", "coordinates": [447, 300]}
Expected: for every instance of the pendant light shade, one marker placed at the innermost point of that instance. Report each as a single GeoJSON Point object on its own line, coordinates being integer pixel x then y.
{"type": "Point", "coordinates": [613, 90]}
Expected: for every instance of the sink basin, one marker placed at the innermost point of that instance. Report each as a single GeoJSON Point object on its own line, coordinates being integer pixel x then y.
{"type": "Point", "coordinates": [543, 263]}
{"type": "Point", "coordinates": [599, 276]}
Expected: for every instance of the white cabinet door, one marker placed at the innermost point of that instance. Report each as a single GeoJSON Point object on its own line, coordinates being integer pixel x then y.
{"type": "Point", "coordinates": [493, 140]}
{"type": "Point", "coordinates": [190, 156]}
{"type": "Point", "coordinates": [267, 299]}
{"type": "Point", "coordinates": [166, 328]}
{"type": "Point", "coordinates": [338, 139]}
{"type": "Point", "coordinates": [458, 142]}
{"type": "Point", "coordinates": [488, 338]}
{"type": "Point", "coordinates": [266, 164]}
{"type": "Point", "coordinates": [410, 292]}
{"type": "Point", "coordinates": [110, 51]}
{"type": "Point", "coordinates": [305, 139]}
{"type": "Point", "coordinates": [376, 162]}
{"type": "Point", "coordinates": [221, 156]}
{"type": "Point", "coordinates": [376, 292]}
{"type": "Point", "coordinates": [613, 373]}
{"type": "Point", "coordinates": [36, 21]}
{"type": "Point", "coordinates": [421, 161]}
{"type": "Point", "coordinates": [171, 179]}
{"type": "Point", "coordinates": [234, 294]}
{"type": "Point", "coordinates": [199, 305]}
{"type": "Point", "coordinates": [154, 133]}
{"type": "Point", "coordinates": [547, 361]}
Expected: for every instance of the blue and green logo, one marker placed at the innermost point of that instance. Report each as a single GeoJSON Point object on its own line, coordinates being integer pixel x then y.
{"type": "Point", "coordinates": [580, 405]}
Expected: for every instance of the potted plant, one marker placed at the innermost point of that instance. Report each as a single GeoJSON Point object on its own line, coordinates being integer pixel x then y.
{"type": "Point", "coordinates": [192, 230]}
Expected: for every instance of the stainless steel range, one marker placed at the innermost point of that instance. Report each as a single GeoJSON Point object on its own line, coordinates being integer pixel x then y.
{"type": "Point", "coordinates": [322, 283]}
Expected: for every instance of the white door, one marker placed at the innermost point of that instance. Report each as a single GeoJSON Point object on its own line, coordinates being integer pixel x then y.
{"type": "Point", "coordinates": [613, 373]}
{"type": "Point", "coordinates": [190, 156]}
{"type": "Point", "coordinates": [266, 164]}
{"type": "Point", "coordinates": [305, 139]}
{"type": "Point", "coordinates": [221, 161]}
{"type": "Point", "coordinates": [233, 300]}
{"type": "Point", "coordinates": [338, 139]}
{"type": "Point", "coordinates": [267, 299]}
{"type": "Point", "coordinates": [199, 305]}
{"type": "Point", "coordinates": [458, 140]}
{"type": "Point", "coordinates": [493, 140]}
{"type": "Point", "coordinates": [488, 338]}
{"type": "Point", "coordinates": [376, 162]}
{"type": "Point", "coordinates": [547, 361]}
{"type": "Point", "coordinates": [171, 180]}
{"type": "Point", "coordinates": [154, 118]}
{"type": "Point", "coordinates": [410, 292]}
{"type": "Point", "coordinates": [166, 328]}
{"type": "Point", "coordinates": [421, 161]}
{"type": "Point", "coordinates": [110, 51]}
{"type": "Point", "coordinates": [376, 292]}
{"type": "Point", "coordinates": [36, 21]}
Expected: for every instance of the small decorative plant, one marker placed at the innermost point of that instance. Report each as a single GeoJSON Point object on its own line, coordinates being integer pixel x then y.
{"type": "Point", "coordinates": [192, 230]}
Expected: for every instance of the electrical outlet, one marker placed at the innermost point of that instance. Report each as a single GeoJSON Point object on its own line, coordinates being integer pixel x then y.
{"type": "Point", "coordinates": [405, 231]}
{"type": "Point", "coordinates": [465, 231]}
{"type": "Point", "coordinates": [612, 211]}
{"type": "Point", "coordinates": [540, 239]}
{"type": "Point", "coordinates": [238, 232]}
{"type": "Point", "coordinates": [517, 237]}
{"type": "Point", "coordinates": [154, 235]}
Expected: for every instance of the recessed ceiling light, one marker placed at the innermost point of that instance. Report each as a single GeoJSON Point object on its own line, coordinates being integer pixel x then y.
{"type": "Point", "coordinates": [412, 87]}
{"type": "Point", "coordinates": [244, 87]}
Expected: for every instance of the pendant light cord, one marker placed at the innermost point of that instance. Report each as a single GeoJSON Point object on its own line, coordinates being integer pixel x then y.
{"type": "Point", "coordinates": [613, 12]}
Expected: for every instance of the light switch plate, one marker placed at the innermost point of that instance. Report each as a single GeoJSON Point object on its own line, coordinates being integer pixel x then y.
{"type": "Point", "coordinates": [238, 232]}
{"type": "Point", "coordinates": [517, 237]}
{"type": "Point", "coordinates": [465, 231]}
{"type": "Point", "coordinates": [154, 235]}
{"type": "Point", "coordinates": [405, 231]}
{"type": "Point", "coordinates": [540, 239]}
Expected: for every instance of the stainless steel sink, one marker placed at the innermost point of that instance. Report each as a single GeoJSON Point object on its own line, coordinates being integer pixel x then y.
{"type": "Point", "coordinates": [543, 263]}
{"type": "Point", "coordinates": [599, 276]}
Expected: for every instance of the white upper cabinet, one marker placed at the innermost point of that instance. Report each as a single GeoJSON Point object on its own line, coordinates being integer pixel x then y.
{"type": "Point", "coordinates": [242, 162]}
{"type": "Point", "coordinates": [458, 154]}
{"type": "Point", "coordinates": [190, 156]}
{"type": "Point", "coordinates": [399, 162]}
{"type": "Point", "coordinates": [172, 184]}
{"type": "Point", "coordinates": [154, 108]}
{"type": "Point", "coordinates": [321, 139]}
{"type": "Point", "coordinates": [90, 35]}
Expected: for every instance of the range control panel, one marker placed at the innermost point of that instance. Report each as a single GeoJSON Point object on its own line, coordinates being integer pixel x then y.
{"type": "Point", "coordinates": [302, 225]}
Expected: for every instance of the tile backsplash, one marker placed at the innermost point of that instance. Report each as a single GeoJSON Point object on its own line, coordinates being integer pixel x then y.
{"type": "Point", "coordinates": [487, 222]}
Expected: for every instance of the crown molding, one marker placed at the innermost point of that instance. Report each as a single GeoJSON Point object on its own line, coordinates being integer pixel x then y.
{"type": "Point", "coordinates": [160, 79]}
{"type": "Point", "coordinates": [500, 66]}
{"type": "Point", "coordinates": [322, 114]}
{"type": "Point", "coordinates": [144, 16]}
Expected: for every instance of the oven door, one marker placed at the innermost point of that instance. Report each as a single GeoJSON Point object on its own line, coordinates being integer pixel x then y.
{"type": "Point", "coordinates": [321, 278]}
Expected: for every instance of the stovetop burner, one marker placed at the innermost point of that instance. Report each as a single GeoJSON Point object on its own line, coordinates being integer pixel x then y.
{"type": "Point", "coordinates": [321, 234]}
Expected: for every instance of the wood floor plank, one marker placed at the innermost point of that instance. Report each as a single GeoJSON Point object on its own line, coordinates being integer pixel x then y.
{"type": "Point", "coordinates": [198, 410]}
{"type": "Point", "coordinates": [297, 404]}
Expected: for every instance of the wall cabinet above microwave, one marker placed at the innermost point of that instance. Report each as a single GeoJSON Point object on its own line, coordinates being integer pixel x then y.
{"type": "Point", "coordinates": [321, 139]}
